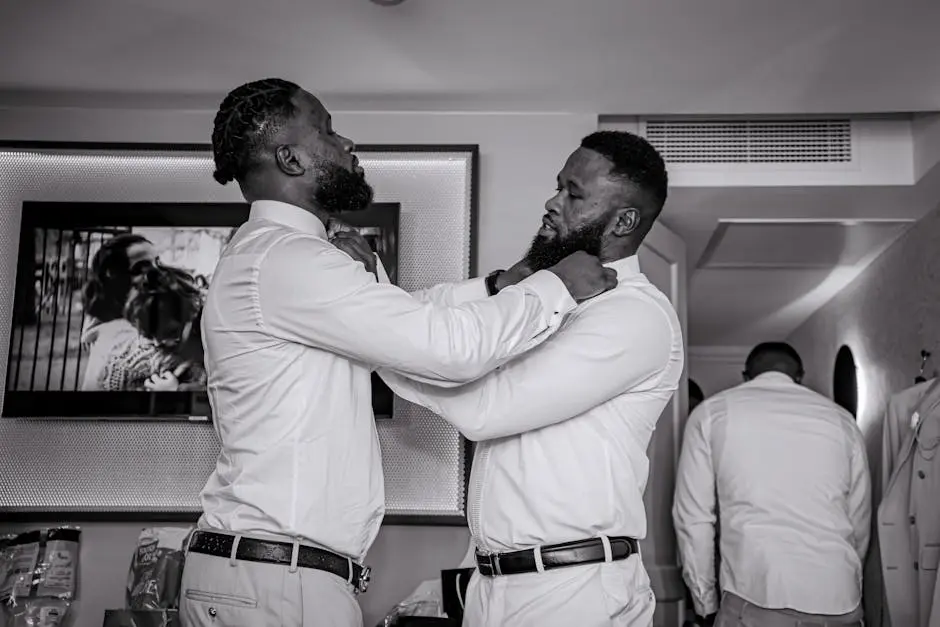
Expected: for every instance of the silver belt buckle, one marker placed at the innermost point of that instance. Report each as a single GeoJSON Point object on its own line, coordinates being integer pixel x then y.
{"type": "Point", "coordinates": [365, 578]}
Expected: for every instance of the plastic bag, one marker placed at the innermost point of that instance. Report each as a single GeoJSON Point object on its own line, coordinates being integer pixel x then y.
{"type": "Point", "coordinates": [153, 582]}
{"type": "Point", "coordinates": [424, 601]}
{"type": "Point", "coordinates": [38, 576]}
{"type": "Point", "coordinates": [37, 613]}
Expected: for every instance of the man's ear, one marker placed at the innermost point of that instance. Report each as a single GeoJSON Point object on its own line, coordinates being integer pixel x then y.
{"type": "Point", "coordinates": [627, 220]}
{"type": "Point", "coordinates": [288, 160]}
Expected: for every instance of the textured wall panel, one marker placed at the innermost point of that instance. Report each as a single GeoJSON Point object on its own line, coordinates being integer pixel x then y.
{"type": "Point", "coordinates": [152, 466]}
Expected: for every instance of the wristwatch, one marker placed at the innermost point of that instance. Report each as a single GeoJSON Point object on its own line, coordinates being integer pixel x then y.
{"type": "Point", "coordinates": [491, 288]}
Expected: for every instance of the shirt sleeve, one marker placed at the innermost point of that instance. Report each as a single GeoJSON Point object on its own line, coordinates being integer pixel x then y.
{"type": "Point", "coordinates": [601, 353]}
{"type": "Point", "coordinates": [445, 294]}
{"type": "Point", "coordinates": [319, 296]}
{"type": "Point", "coordinates": [454, 294]}
{"type": "Point", "coordinates": [694, 513]}
{"type": "Point", "coordinates": [859, 503]}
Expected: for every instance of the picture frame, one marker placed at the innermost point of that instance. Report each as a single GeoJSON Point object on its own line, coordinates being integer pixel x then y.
{"type": "Point", "coordinates": [124, 468]}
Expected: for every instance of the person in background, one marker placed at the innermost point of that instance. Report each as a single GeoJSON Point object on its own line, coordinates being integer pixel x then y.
{"type": "Point", "coordinates": [292, 328]}
{"type": "Point", "coordinates": [560, 466]}
{"type": "Point", "coordinates": [116, 266]}
{"type": "Point", "coordinates": [787, 470]}
{"type": "Point", "coordinates": [155, 334]}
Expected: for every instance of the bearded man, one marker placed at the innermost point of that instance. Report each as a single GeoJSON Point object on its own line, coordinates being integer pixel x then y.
{"type": "Point", "coordinates": [555, 505]}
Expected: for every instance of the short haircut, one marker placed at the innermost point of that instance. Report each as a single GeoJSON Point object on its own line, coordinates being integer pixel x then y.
{"type": "Point", "coordinates": [636, 161]}
{"type": "Point", "coordinates": [776, 357]}
{"type": "Point", "coordinates": [109, 280]}
{"type": "Point", "coordinates": [247, 119]}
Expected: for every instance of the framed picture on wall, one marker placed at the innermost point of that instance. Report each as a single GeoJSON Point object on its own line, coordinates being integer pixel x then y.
{"type": "Point", "coordinates": [109, 296]}
{"type": "Point", "coordinates": [61, 204]}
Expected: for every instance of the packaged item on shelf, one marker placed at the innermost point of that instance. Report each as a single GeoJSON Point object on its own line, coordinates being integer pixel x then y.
{"type": "Point", "coordinates": [153, 582]}
{"type": "Point", "coordinates": [39, 576]}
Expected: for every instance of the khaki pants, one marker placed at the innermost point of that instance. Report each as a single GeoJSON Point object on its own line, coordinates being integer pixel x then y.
{"type": "Point", "coordinates": [736, 612]}
{"type": "Point", "coordinates": [611, 594]}
{"type": "Point", "coordinates": [218, 592]}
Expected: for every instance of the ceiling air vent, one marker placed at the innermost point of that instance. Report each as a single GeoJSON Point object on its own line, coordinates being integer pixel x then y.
{"type": "Point", "coordinates": [752, 141]}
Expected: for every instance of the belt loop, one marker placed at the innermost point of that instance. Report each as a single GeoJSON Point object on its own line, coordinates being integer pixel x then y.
{"type": "Point", "coordinates": [189, 541]}
{"type": "Point", "coordinates": [294, 554]}
{"type": "Point", "coordinates": [608, 554]}
{"type": "Point", "coordinates": [231, 557]}
{"type": "Point", "coordinates": [349, 565]}
{"type": "Point", "coordinates": [537, 553]}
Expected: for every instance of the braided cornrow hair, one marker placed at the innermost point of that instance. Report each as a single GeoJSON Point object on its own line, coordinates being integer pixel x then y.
{"type": "Point", "coordinates": [247, 118]}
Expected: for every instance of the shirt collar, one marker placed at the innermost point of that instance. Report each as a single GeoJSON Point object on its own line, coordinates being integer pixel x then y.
{"type": "Point", "coordinates": [288, 215]}
{"type": "Point", "coordinates": [625, 267]}
{"type": "Point", "coordinates": [774, 376]}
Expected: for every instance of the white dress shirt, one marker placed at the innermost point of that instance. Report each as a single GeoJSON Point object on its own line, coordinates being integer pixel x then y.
{"type": "Point", "coordinates": [562, 431]}
{"type": "Point", "coordinates": [293, 328]}
{"type": "Point", "coordinates": [790, 473]}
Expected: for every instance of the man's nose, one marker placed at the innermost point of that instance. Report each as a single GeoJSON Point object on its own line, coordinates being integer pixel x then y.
{"type": "Point", "coordinates": [348, 144]}
{"type": "Point", "coordinates": [551, 205]}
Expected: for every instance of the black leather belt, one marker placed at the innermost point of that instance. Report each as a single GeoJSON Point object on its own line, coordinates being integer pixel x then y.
{"type": "Point", "coordinates": [269, 552]}
{"type": "Point", "coordinates": [555, 556]}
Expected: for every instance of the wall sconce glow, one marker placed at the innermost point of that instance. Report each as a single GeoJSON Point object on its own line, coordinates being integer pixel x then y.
{"type": "Point", "coordinates": [862, 385]}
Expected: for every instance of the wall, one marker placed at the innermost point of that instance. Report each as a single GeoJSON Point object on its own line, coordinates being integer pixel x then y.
{"type": "Point", "coordinates": [717, 368]}
{"type": "Point", "coordinates": [520, 154]}
{"type": "Point", "coordinates": [886, 316]}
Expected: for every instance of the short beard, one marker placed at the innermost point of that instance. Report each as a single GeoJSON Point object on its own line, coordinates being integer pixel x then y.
{"type": "Point", "coordinates": [340, 190]}
{"type": "Point", "coordinates": [545, 253]}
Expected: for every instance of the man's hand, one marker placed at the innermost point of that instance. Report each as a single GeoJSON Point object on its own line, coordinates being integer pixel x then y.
{"type": "Point", "coordinates": [584, 275]}
{"type": "Point", "coordinates": [356, 246]}
{"type": "Point", "coordinates": [518, 272]}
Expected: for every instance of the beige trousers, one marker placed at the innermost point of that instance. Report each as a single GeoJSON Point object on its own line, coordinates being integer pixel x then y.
{"type": "Point", "coordinates": [612, 594]}
{"type": "Point", "coordinates": [218, 592]}
{"type": "Point", "coordinates": [736, 612]}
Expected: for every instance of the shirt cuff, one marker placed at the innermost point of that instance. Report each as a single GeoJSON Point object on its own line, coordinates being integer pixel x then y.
{"type": "Point", "coordinates": [552, 291]}
{"type": "Point", "coordinates": [706, 605]}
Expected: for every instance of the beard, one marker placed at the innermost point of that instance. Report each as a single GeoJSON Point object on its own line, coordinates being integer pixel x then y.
{"type": "Point", "coordinates": [340, 190]}
{"type": "Point", "coordinates": [545, 253]}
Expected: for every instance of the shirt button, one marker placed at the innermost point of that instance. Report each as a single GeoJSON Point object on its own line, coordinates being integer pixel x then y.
{"type": "Point", "coordinates": [921, 474]}
{"type": "Point", "coordinates": [912, 520]}
{"type": "Point", "coordinates": [915, 566]}
{"type": "Point", "coordinates": [212, 612]}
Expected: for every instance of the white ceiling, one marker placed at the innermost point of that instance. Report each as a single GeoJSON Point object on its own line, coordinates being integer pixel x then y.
{"type": "Point", "coordinates": [763, 259]}
{"type": "Point", "coordinates": [629, 57]}
{"type": "Point", "coordinates": [599, 56]}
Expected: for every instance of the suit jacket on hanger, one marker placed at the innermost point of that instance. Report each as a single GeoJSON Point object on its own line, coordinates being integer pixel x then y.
{"type": "Point", "coordinates": [909, 514]}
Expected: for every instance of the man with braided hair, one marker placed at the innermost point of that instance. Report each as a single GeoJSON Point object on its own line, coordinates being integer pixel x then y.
{"type": "Point", "coordinates": [293, 328]}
